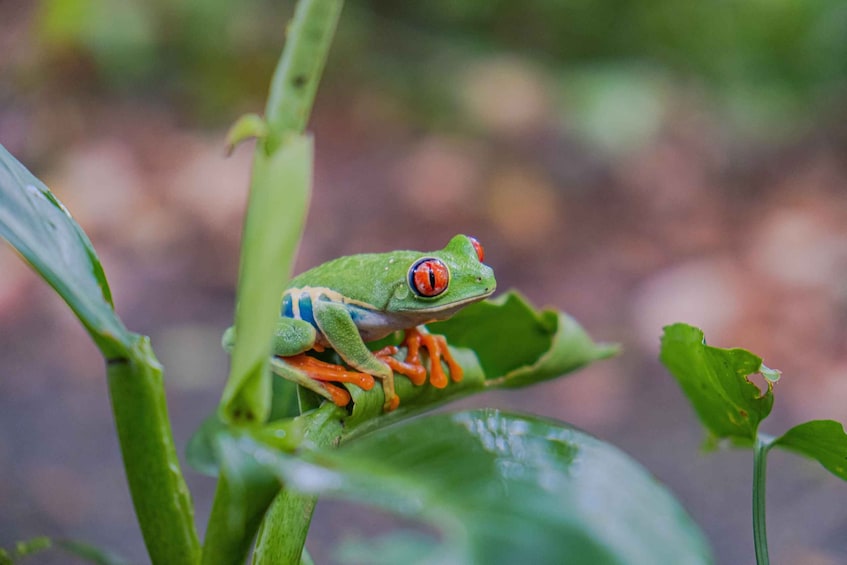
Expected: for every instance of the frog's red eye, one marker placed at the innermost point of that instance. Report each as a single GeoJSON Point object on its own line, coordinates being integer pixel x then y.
{"type": "Point", "coordinates": [429, 277]}
{"type": "Point", "coordinates": [480, 252]}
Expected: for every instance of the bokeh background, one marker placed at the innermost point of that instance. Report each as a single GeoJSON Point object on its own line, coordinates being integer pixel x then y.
{"type": "Point", "coordinates": [634, 163]}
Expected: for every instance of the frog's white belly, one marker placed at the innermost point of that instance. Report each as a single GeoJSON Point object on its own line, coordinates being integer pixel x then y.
{"type": "Point", "coordinates": [373, 324]}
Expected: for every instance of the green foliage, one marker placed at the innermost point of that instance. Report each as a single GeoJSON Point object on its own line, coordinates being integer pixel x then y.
{"type": "Point", "coordinates": [539, 345]}
{"type": "Point", "coordinates": [822, 440]}
{"type": "Point", "coordinates": [500, 488]}
{"type": "Point", "coordinates": [39, 227]}
{"type": "Point", "coordinates": [730, 406]}
{"type": "Point", "coordinates": [715, 382]}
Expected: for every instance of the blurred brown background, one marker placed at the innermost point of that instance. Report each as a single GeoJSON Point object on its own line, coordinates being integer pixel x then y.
{"type": "Point", "coordinates": [632, 163]}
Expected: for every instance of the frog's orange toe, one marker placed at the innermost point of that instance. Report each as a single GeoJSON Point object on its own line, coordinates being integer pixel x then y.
{"type": "Point", "coordinates": [437, 349]}
{"type": "Point", "coordinates": [391, 404]}
{"type": "Point", "coordinates": [340, 397]}
{"type": "Point", "coordinates": [415, 371]}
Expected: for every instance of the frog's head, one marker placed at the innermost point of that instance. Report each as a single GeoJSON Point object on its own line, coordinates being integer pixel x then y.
{"type": "Point", "coordinates": [441, 282]}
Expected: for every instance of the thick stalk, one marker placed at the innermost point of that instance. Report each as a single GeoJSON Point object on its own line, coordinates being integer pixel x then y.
{"type": "Point", "coordinates": [159, 493]}
{"type": "Point", "coordinates": [225, 541]}
{"type": "Point", "coordinates": [760, 535]}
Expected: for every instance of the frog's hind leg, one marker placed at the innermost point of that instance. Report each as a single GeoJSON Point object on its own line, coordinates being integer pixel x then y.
{"type": "Point", "coordinates": [292, 338]}
{"type": "Point", "coordinates": [316, 375]}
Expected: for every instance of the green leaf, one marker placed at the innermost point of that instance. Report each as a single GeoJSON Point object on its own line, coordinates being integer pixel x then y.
{"type": "Point", "coordinates": [279, 195]}
{"type": "Point", "coordinates": [503, 488]}
{"type": "Point", "coordinates": [500, 343]}
{"type": "Point", "coordinates": [518, 345]}
{"type": "Point", "coordinates": [715, 382]}
{"type": "Point", "coordinates": [202, 451]}
{"type": "Point", "coordinates": [40, 228]}
{"type": "Point", "coordinates": [822, 440]}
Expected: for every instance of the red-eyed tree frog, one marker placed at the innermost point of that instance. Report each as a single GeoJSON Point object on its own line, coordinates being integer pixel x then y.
{"type": "Point", "coordinates": [346, 302]}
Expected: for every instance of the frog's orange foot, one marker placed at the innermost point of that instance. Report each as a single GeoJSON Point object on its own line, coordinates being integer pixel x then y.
{"type": "Point", "coordinates": [414, 370]}
{"type": "Point", "coordinates": [412, 367]}
{"type": "Point", "coordinates": [327, 373]}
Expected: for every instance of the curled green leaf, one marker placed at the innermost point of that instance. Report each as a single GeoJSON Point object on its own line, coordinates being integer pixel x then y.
{"type": "Point", "coordinates": [716, 383]}
{"type": "Point", "coordinates": [518, 345]}
{"type": "Point", "coordinates": [500, 343]}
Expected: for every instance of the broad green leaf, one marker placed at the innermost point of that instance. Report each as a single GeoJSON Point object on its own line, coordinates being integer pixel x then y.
{"type": "Point", "coordinates": [40, 228]}
{"type": "Point", "coordinates": [502, 488]}
{"type": "Point", "coordinates": [500, 343]}
{"type": "Point", "coordinates": [822, 440]}
{"type": "Point", "coordinates": [715, 382]}
{"type": "Point", "coordinates": [279, 195]}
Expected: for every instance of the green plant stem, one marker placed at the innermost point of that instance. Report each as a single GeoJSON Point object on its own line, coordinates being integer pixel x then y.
{"type": "Point", "coordinates": [283, 533]}
{"type": "Point", "coordinates": [159, 493]}
{"type": "Point", "coordinates": [298, 72]}
{"type": "Point", "coordinates": [229, 543]}
{"type": "Point", "coordinates": [760, 535]}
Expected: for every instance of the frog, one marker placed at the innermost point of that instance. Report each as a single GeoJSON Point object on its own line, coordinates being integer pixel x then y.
{"type": "Point", "coordinates": [351, 301]}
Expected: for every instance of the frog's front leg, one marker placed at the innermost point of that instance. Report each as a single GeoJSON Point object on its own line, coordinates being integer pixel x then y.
{"type": "Point", "coordinates": [291, 339]}
{"type": "Point", "coordinates": [340, 331]}
{"type": "Point", "coordinates": [412, 367]}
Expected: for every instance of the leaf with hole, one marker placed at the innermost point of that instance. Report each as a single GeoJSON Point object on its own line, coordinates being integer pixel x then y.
{"type": "Point", "coordinates": [716, 383]}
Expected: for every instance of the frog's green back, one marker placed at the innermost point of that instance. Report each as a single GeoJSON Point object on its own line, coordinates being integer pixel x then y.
{"type": "Point", "coordinates": [382, 279]}
{"type": "Point", "coordinates": [371, 278]}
